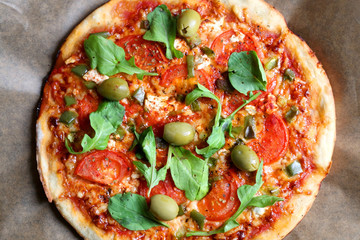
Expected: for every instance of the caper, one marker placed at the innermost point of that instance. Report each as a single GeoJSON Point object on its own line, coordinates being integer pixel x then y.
{"type": "Point", "coordinates": [178, 133]}
{"type": "Point", "coordinates": [114, 89]}
{"type": "Point", "coordinates": [163, 207]}
{"type": "Point", "coordinates": [188, 23]}
{"type": "Point", "coordinates": [245, 158]}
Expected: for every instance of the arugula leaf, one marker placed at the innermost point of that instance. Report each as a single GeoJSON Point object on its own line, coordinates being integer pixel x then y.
{"type": "Point", "coordinates": [109, 58]}
{"type": "Point", "coordinates": [148, 145]}
{"type": "Point", "coordinates": [189, 173]}
{"type": "Point", "coordinates": [246, 195]}
{"type": "Point", "coordinates": [226, 124]}
{"type": "Point", "coordinates": [131, 211]}
{"type": "Point", "coordinates": [216, 139]}
{"type": "Point", "coordinates": [246, 72]}
{"type": "Point", "coordinates": [163, 29]}
{"type": "Point", "coordinates": [105, 120]}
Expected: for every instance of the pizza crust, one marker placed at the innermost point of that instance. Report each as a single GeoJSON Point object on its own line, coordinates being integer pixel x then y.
{"type": "Point", "coordinates": [254, 11]}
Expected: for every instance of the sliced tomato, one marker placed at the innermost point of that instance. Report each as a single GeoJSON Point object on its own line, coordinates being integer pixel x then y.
{"type": "Point", "coordinates": [104, 167]}
{"type": "Point", "coordinates": [147, 54]}
{"type": "Point", "coordinates": [87, 105]}
{"type": "Point", "coordinates": [274, 141]}
{"type": "Point", "coordinates": [224, 47]}
{"type": "Point", "coordinates": [175, 72]}
{"type": "Point", "coordinates": [180, 72]}
{"type": "Point", "coordinates": [166, 187]}
{"type": "Point", "coordinates": [222, 200]}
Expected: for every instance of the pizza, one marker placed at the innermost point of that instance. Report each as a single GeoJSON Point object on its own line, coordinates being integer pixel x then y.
{"type": "Point", "coordinates": [199, 119]}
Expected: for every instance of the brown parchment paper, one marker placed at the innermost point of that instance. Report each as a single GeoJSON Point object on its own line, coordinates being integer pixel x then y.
{"type": "Point", "coordinates": [31, 32]}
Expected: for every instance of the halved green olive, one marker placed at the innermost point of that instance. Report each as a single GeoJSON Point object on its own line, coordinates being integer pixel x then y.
{"type": "Point", "coordinates": [163, 207]}
{"type": "Point", "coordinates": [178, 133]}
{"type": "Point", "coordinates": [114, 89]}
{"type": "Point", "coordinates": [188, 23]}
{"type": "Point", "coordinates": [245, 158]}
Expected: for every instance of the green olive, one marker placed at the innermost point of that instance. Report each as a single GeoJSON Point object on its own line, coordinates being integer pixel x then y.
{"type": "Point", "coordinates": [114, 89]}
{"type": "Point", "coordinates": [245, 158]}
{"type": "Point", "coordinates": [163, 207]}
{"type": "Point", "coordinates": [178, 133]}
{"type": "Point", "coordinates": [188, 23]}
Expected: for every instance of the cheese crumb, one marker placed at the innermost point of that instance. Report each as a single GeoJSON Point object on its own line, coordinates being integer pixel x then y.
{"type": "Point", "coordinates": [95, 76]}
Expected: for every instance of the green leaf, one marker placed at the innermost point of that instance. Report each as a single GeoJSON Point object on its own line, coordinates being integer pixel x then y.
{"type": "Point", "coordinates": [246, 195]}
{"type": "Point", "coordinates": [264, 201]}
{"type": "Point", "coordinates": [105, 120]}
{"type": "Point", "coordinates": [189, 173]}
{"type": "Point", "coordinates": [216, 139]}
{"type": "Point", "coordinates": [215, 142]}
{"type": "Point", "coordinates": [246, 72]}
{"type": "Point", "coordinates": [148, 145]}
{"type": "Point", "coordinates": [163, 29]}
{"type": "Point", "coordinates": [109, 58]}
{"type": "Point", "coordinates": [131, 211]}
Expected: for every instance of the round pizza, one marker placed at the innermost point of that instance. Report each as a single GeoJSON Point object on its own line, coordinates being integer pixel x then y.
{"type": "Point", "coordinates": [199, 119]}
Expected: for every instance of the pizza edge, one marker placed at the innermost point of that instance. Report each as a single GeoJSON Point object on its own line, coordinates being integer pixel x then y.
{"type": "Point", "coordinates": [260, 13]}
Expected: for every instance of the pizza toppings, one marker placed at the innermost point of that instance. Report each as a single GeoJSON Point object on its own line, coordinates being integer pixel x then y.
{"type": "Point", "coordinates": [189, 172]}
{"type": "Point", "coordinates": [221, 202]}
{"type": "Point", "coordinates": [245, 158]}
{"type": "Point", "coordinates": [163, 207]}
{"type": "Point", "coordinates": [148, 145]}
{"type": "Point", "coordinates": [246, 72]}
{"type": "Point", "coordinates": [180, 118]}
{"type": "Point", "coordinates": [178, 133]}
{"type": "Point", "coordinates": [127, 207]}
{"type": "Point", "coordinates": [104, 167]}
{"type": "Point", "coordinates": [273, 143]}
{"type": "Point", "coordinates": [147, 54]}
{"type": "Point", "coordinates": [109, 59]}
{"type": "Point", "coordinates": [246, 195]}
{"type": "Point", "coordinates": [104, 121]}
{"type": "Point", "coordinates": [114, 89]}
{"type": "Point", "coordinates": [188, 23]}
{"type": "Point", "coordinates": [163, 29]}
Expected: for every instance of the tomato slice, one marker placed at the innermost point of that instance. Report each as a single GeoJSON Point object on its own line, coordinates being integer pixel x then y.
{"type": "Point", "coordinates": [273, 143]}
{"type": "Point", "coordinates": [166, 187]}
{"type": "Point", "coordinates": [224, 47]}
{"type": "Point", "coordinates": [147, 54]}
{"type": "Point", "coordinates": [104, 167]}
{"type": "Point", "coordinates": [175, 72]}
{"type": "Point", "coordinates": [87, 105]}
{"type": "Point", "coordinates": [222, 200]}
{"type": "Point", "coordinates": [180, 72]}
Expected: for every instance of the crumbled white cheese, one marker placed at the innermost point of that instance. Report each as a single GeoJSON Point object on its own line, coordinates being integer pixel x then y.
{"type": "Point", "coordinates": [192, 206]}
{"type": "Point", "coordinates": [180, 44]}
{"type": "Point", "coordinates": [237, 37]}
{"type": "Point", "coordinates": [250, 109]}
{"type": "Point", "coordinates": [258, 211]}
{"type": "Point", "coordinates": [159, 104]}
{"type": "Point", "coordinates": [112, 144]}
{"type": "Point", "coordinates": [80, 194]}
{"type": "Point", "coordinates": [205, 61]}
{"type": "Point", "coordinates": [214, 26]}
{"type": "Point", "coordinates": [95, 76]}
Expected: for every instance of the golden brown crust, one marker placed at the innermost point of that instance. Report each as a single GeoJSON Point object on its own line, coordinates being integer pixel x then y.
{"type": "Point", "coordinates": [254, 11]}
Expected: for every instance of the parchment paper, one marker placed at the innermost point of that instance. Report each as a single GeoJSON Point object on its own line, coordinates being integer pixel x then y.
{"type": "Point", "coordinates": [31, 32]}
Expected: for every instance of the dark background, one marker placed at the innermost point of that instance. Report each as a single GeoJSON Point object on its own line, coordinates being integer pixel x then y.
{"type": "Point", "coordinates": [32, 31]}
